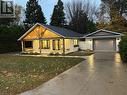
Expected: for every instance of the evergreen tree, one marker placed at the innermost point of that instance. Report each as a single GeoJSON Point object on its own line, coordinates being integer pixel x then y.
{"type": "Point", "coordinates": [58, 16]}
{"type": "Point", "coordinates": [91, 26]}
{"type": "Point", "coordinates": [34, 13]}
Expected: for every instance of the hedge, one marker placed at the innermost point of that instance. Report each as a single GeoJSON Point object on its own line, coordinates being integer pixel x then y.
{"type": "Point", "coordinates": [8, 38]}
{"type": "Point", "coordinates": [123, 49]}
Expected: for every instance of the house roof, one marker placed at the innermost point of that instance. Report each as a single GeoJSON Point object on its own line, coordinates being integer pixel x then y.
{"type": "Point", "coordinates": [60, 31]}
{"type": "Point", "coordinates": [64, 32]}
{"type": "Point", "coordinates": [107, 34]}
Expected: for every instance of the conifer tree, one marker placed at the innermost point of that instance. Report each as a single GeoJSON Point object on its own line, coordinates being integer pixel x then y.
{"type": "Point", "coordinates": [34, 13]}
{"type": "Point", "coordinates": [58, 16]}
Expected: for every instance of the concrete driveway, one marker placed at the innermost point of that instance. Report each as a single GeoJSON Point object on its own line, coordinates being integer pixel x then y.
{"type": "Point", "coordinates": [100, 74]}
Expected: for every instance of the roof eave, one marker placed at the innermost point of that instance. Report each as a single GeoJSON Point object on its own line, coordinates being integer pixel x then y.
{"type": "Point", "coordinates": [27, 32]}
{"type": "Point", "coordinates": [73, 37]}
{"type": "Point", "coordinates": [115, 36]}
{"type": "Point", "coordinates": [120, 34]}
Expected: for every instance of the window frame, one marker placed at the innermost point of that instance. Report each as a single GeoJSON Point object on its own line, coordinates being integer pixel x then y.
{"type": "Point", "coordinates": [47, 44]}
{"type": "Point", "coordinates": [76, 42]}
{"type": "Point", "coordinates": [56, 43]}
{"type": "Point", "coordinates": [28, 44]}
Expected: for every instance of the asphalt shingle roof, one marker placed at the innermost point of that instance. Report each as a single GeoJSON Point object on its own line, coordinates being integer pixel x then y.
{"type": "Point", "coordinates": [61, 31]}
{"type": "Point", "coordinates": [64, 32]}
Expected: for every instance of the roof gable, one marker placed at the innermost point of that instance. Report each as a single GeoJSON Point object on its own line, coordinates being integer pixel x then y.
{"type": "Point", "coordinates": [33, 33]}
{"type": "Point", "coordinates": [54, 32]}
{"type": "Point", "coordinates": [41, 33]}
{"type": "Point", "coordinates": [102, 32]}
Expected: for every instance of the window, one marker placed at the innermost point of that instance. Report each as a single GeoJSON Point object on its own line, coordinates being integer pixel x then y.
{"type": "Point", "coordinates": [76, 43]}
{"type": "Point", "coordinates": [56, 44]}
{"type": "Point", "coordinates": [28, 44]}
{"type": "Point", "coordinates": [46, 44]}
{"type": "Point", "coordinates": [83, 39]}
{"type": "Point", "coordinates": [7, 7]}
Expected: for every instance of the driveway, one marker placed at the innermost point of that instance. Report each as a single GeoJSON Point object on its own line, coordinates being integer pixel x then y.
{"type": "Point", "coordinates": [100, 74]}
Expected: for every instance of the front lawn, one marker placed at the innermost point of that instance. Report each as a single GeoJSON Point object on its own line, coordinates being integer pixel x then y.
{"type": "Point", "coordinates": [19, 74]}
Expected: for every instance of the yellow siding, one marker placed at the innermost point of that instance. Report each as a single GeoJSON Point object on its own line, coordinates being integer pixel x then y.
{"type": "Point", "coordinates": [38, 32]}
{"type": "Point", "coordinates": [69, 45]}
{"type": "Point", "coordinates": [36, 46]}
{"type": "Point", "coordinates": [46, 51]}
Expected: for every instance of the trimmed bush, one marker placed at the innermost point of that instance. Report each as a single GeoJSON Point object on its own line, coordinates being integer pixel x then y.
{"type": "Point", "coordinates": [123, 48]}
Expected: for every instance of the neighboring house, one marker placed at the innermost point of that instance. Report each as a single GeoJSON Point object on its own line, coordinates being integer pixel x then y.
{"type": "Point", "coordinates": [50, 39]}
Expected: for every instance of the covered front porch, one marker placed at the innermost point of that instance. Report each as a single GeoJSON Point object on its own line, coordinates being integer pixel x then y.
{"type": "Point", "coordinates": [44, 46]}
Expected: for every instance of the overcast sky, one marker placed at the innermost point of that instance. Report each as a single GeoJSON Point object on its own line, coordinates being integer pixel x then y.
{"type": "Point", "coordinates": [47, 5]}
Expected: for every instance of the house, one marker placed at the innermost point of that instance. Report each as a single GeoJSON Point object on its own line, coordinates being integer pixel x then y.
{"type": "Point", "coordinates": [50, 39]}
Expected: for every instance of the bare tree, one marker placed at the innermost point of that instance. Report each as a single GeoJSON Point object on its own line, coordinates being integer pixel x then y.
{"type": "Point", "coordinates": [85, 5]}
{"type": "Point", "coordinates": [80, 13]}
{"type": "Point", "coordinates": [103, 14]}
{"type": "Point", "coordinates": [115, 7]}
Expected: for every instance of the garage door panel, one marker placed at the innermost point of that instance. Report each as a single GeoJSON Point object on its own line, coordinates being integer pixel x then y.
{"type": "Point", "coordinates": [104, 45]}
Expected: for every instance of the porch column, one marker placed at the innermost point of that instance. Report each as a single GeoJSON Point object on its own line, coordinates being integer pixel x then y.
{"type": "Point", "coordinates": [22, 43]}
{"type": "Point", "coordinates": [40, 45]}
{"type": "Point", "coordinates": [63, 46]}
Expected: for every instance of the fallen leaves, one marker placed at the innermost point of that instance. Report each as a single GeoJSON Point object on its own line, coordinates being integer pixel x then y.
{"type": "Point", "coordinates": [18, 74]}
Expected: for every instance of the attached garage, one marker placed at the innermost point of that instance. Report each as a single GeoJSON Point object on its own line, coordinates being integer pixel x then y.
{"type": "Point", "coordinates": [102, 41]}
{"type": "Point", "coordinates": [104, 45]}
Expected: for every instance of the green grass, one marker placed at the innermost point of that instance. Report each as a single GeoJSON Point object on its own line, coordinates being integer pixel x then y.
{"type": "Point", "coordinates": [81, 53]}
{"type": "Point", "coordinates": [19, 74]}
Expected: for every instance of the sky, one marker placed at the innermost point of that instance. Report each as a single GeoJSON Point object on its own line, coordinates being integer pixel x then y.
{"type": "Point", "coordinates": [47, 6]}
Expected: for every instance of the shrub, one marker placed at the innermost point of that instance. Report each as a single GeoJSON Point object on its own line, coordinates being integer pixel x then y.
{"type": "Point", "coordinates": [76, 45]}
{"type": "Point", "coordinates": [79, 49]}
{"type": "Point", "coordinates": [8, 38]}
{"type": "Point", "coordinates": [123, 48]}
{"type": "Point", "coordinates": [54, 54]}
{"type": "Point", "coordinates": [26, 53]}
{"type": "Point", "coordinates": [51, 53]}
{"type": "Point", "coordinates": [57, 54]}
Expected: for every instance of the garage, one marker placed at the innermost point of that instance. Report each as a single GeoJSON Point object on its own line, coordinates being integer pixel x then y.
{"type": "Point", "coordinates": [102, 41]}
{"type": "Point", "coordinates": [104, 45]}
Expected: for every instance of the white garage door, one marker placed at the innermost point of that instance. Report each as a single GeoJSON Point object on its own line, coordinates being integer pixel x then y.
{"type": "Point", "coordinates": [104, 45]}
